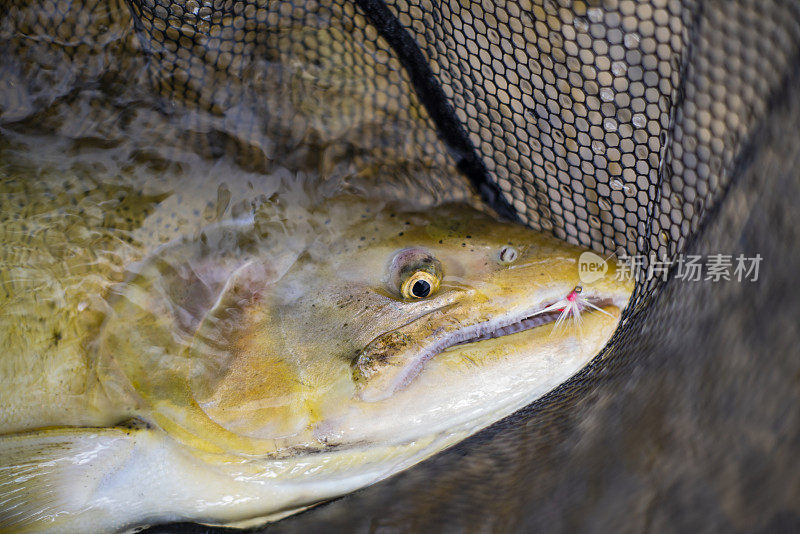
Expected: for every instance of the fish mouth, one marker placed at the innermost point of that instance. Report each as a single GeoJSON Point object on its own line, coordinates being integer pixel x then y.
{"type": "Point", "coordinates": [392, 360]}
{"type": "Point", "coordinates": [486, 330]}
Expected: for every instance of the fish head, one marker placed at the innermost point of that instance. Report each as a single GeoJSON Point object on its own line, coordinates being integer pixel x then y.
{"type": "Point", "coordinates": [364, 327]}
{"type": "Point", "coordinates": [443, 321]}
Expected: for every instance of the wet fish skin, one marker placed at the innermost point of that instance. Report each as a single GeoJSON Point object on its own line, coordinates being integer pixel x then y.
{"type": "Point", "coordinates": [234, 351]}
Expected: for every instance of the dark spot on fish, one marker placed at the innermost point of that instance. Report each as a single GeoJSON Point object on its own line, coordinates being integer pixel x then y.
{"type": "Point", "coordinates": [362, 238]}
{"type": "Point", "coordinates": [401, 233]}
{"type": "Point", "coordinates": [469, 236]}
{"type": "Point", "coordinates": [440, 241]}
{"type": "Point", "coordinates": [134, 424]}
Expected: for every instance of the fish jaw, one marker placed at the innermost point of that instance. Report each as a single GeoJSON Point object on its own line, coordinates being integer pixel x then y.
{"type": "Point", "coordinates": [469, 386]}
{"type": "Point", "coordinates": [392, 360]}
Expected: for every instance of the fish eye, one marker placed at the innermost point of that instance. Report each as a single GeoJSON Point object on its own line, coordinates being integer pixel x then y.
{"type": "Point", "coordinates": [507, 254]}
{"type": "Point", "coordinates": [414, 273]}
{"type": "Point", "coordinates": [419, 285]}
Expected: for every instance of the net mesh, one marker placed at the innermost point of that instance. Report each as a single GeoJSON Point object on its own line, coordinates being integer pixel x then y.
{"type": "Point", "coordinates": [613, 124]}
{"type": "Point", "coordinates": [619, 125]}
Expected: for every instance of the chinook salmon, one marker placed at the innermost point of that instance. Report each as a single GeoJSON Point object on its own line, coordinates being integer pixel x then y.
{"type": "Point", "coordinates": [270, 362]}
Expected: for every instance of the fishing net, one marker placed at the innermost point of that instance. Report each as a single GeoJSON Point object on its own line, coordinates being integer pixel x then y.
{"type": "Point", "coordinates": [624, 126]}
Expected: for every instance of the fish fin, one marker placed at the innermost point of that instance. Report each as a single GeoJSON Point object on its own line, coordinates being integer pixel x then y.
{"type": "Point", "coordinates": [49, 473]}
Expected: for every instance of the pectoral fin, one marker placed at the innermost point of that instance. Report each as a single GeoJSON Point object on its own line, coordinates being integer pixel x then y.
{"type": "Point", "coordinates": [49, 476]}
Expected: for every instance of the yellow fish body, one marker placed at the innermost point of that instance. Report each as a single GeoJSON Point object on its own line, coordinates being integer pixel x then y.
{"type": "Point", "coordinates": [279, 359]}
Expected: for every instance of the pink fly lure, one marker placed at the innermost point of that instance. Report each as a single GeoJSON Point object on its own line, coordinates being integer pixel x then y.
{"type": "Point", "coordinates": [570, 306]}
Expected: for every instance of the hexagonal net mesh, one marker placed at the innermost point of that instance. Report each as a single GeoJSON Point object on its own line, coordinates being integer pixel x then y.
{"type": "Point", "coordinates": [613, 124]}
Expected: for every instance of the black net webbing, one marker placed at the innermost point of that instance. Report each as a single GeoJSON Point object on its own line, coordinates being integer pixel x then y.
{"type": "Point", "coordinates": [619, 125]}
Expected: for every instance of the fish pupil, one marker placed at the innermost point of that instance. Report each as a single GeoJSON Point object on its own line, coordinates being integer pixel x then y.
{"type": "Point", "coordinates": [421, 289]}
